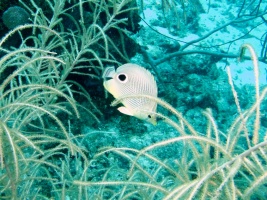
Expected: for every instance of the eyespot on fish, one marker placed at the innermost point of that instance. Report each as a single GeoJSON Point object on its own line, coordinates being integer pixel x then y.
{"type": "Point", "coordinates": [132, 79]}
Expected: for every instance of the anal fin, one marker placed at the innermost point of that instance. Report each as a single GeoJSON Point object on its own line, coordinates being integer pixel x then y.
{"type": "Point", "coordinates": [125, 111]}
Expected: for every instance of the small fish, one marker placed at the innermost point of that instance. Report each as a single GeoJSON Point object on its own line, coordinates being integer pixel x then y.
{"type": "Point", "coordinates": [131, 79]}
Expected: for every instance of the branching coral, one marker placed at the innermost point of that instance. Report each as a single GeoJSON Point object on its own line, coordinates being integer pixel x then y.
{"type": "Point", "coordinates": [42, 159]}
{"type": "Point", "coordinates": [36, 94]}
{"type": "Point", "coordinates": [205, 165]}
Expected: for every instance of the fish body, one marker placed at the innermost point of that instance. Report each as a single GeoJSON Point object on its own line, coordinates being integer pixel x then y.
{"type": "Point", "coordinates": [132, 79]}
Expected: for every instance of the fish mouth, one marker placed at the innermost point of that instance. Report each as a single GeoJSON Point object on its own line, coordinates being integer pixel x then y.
{"type": "Point", "coordinates": [107, 78]}
{"type": "Point", "coordinates": [108, 73]}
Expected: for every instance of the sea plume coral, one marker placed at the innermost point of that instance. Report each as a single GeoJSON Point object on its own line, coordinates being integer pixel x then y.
{"type": "Point", "coordinates": [38, 99]}
{"type": "Point", "coordinates": [213, 164]}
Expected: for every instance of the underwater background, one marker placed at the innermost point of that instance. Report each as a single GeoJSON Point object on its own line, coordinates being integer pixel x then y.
{"type": "Point", "coordinates": [61, 135]}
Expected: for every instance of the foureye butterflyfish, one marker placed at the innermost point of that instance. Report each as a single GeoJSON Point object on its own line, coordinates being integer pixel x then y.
{"type": "Point", "coordinates": [132, 79]}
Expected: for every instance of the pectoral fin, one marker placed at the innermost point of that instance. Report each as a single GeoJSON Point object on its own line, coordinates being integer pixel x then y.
{"type": "Point", "coordinates": [125, 111]}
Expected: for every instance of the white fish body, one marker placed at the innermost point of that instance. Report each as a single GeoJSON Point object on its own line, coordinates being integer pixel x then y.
{"type": "Point", "coordinates": [132, 79]}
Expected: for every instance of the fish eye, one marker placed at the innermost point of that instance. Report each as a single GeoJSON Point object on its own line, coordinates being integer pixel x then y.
{"type": "Point", "coordinates": [122, 78]}
{"type": "Point", "coordinates": [149, 116]}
